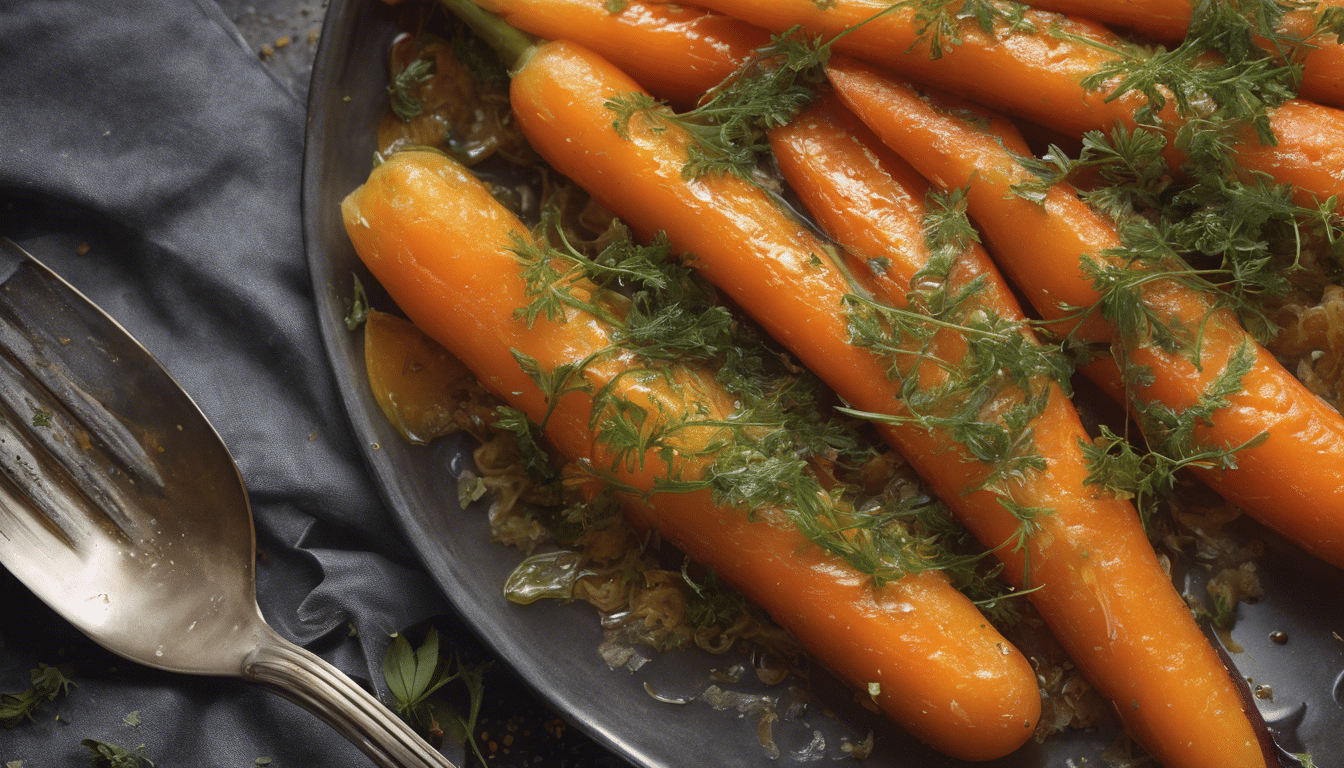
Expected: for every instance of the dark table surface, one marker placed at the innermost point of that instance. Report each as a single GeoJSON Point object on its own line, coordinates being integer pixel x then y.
{"type": "Point", "coordinates": [283, 34]}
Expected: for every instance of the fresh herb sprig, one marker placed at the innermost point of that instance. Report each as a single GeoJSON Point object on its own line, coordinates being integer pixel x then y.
{"type": "Point", "coordinates": [1248, 235]}
{"type": "Point", "coordinates": [415, 675]}
{"type": "Point", "coordinates": [1221, 74]}
{"type": "Point", "coordinates": [46, 684]}
{"type": "Point", "coordinates": [403, 92]}
{"type": "Point", "coordinates": [965, 371]}
{"type": "Point", "coordinates": [759, 456]}
{"type": "Point", "coordinates": [727, 131]}
{"type": "Point", "coordinates": [109, 755]}
{"type": "Point", "coordinates": [942, 24]}
{"type": "Point", "coordinates": [714, 603]}
{"type": "Point", "coordinates": [986, 394]}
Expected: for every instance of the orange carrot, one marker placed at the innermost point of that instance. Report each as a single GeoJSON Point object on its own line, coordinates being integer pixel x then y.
{"type": "Point", "coordinates": [677, 53]}
{"type": "Point", "coordinates": [1167, 21]}
{"type": "Point", "coordinates": [1033, 74]}
{"type": "Point", "coordinates": [413, 379]}
{"type": "Point", "coordinates": [438, 242]}
{"type": "Point", "coordinates": [1037, 74]}
{"type": "Point", "coordinates": [1164, 21]}
{"type": "Point", "coordinates": [1294, 480]}
{"type": "Point", "coordinates": [1323, 62]}
{"type": "Point", "coordinates": [1097, 575]}
{"type": "Point", "coordinates": [1186, 713]}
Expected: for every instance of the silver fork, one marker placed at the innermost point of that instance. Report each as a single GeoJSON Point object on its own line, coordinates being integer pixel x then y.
{"type": "Point", "coordinates": [122, 509]}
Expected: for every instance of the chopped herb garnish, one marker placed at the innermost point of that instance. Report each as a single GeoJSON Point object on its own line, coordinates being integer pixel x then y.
{"type": "Point", "coordinates": [714, 603]}
{"type": "Point", "coordinates": [109, 755]}
{"type": "Point", "coordinates": [359, 305]}
{"type": "Point", "coordinates": [404, 91]}
{"type": "Point", "coordinates": [47, 682]}
{"type": "Point", "coordinates": [940, 24]}
{"type": "Point", "coordinates": [987, 393]}
{"type": "Point", "coordinates": [727, 130]}
{"type": "Point", "coordinates": [757, 457]}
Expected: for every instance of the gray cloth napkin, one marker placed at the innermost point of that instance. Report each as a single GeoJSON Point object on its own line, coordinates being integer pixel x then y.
{"type": "Point", "coordinates": [152, 161]}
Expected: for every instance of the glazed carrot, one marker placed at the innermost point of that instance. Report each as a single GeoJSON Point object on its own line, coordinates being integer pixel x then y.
{"type": "Point", "coordinates": [1037, 74]}
{"type": "Point", "coordinates": [1294, 480]}
{"type": "Point", "coordinates": [413, 379]}
{"type": "Point", "coordinates": [437, 241]}
{"type": "Point", "coordinates": [1323, 62]}
{"type": "Point", "coordinates": [1096, 574]}
{"type": "Point", "coordinates": [1167, 21]}
{"type": "Point", "coordinates": [1188, 713]}
{"type": "Point", "coordinates": [1164, 21]}
{"type": "Point", "coordinates": [677, 53]}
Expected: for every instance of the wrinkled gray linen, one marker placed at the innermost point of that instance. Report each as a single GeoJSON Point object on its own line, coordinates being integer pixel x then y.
{"type": "Point", "coordinates": [144, 131]}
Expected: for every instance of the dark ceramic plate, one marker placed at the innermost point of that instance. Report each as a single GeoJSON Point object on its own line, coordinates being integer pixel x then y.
{"type": "Point", "coordinates": [555, 647]}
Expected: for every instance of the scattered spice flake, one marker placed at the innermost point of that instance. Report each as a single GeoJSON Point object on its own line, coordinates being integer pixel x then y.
{"type": "Point", "coordinates": [556, 728]}
{"type": "Point", "coordinates": [82, 249]}
{"type": "Point", "coordinates": [132, 719]}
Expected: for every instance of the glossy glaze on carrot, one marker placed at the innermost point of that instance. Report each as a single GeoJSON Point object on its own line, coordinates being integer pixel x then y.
{"type": "Point", "coordinates": [1294, 481]}
{"type": "Point", "coordinates": [676, 52]}
{"type": "Point", "coordinates": [1323, 61]}
{"type": "Point", "coordinates": [1163, 21]}
{"type": "Point", "coordinates": [1167, 21]}
{"type": "Point", "coordinates": [1090, 548]}
{"type": "Point", "coordinates": [437, 241]}
{"type": "Point", "coordinates": [1038, 75]}
{"type": "Point", "coordinates": [1099, 576]}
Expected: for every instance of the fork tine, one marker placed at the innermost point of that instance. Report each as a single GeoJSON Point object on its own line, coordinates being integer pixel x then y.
{"type": "Point", "coordinates": [29, 305]}
{"type": "Point", "coordinates": [49, 455]}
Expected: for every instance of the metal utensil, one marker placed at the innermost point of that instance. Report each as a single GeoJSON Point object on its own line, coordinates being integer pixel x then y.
{"type": "Point", "coordinates": [122, 509]}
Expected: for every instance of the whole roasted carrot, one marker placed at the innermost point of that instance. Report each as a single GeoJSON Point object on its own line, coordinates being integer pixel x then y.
{"type": "Point", "coordinates": [1293, 481]}
{"type": "Point", "coordinates": [1095, 574]}
{"type": "Point", "coordinates": [1033, 65]}
{"type": "Point", "coordinates": [676, 52]}
{"type": "Point", "coordinates": [872, 202]}
{"type": "Point", "coordinates": [440, 244]}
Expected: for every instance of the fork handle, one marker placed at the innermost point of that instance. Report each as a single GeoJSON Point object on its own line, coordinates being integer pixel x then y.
{"type": "Point", "coordinates": [317, 686]}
